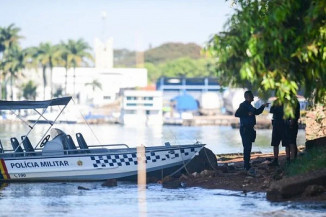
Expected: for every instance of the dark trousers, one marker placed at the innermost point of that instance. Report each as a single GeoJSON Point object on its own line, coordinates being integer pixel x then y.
{"type": "Point", "coordinates": [246, 136]}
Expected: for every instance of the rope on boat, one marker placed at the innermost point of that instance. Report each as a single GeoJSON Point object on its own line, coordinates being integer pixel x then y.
{"type": "Point", "coordinates": [210, 163]}
{"type": "Point", "coordinates": [184, 164]}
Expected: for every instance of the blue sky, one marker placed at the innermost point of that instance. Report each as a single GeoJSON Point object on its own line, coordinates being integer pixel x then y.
{"type": "Point", "coordinates": [134, 24]}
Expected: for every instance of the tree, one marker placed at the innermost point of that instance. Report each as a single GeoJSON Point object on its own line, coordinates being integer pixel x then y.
{"type": "Point", "coordinates": [181, 67]}
{"type": "Point", "coordinates": [77, 55]}
{"type": "Point", "coordinates": [153, 72]}
{"type": "Point", "coordinates": [15, 60]}
{"type": "Point", "coordinates": [171, 51]}
{"type": "Point", "coordinates": [94, 84]}
{"type": "Point", "coordinates": [64, 54]}
{"type": "Point", "coordinates": [275, 45]}
{"type": "Point", "coordinates": [48, 56]}
{"type": "Point", "coordinates": [9, 40]}
{"type": "Point", "coordinates": [58, 92]}
{"type": "Point", "coordinates": [29, 90]}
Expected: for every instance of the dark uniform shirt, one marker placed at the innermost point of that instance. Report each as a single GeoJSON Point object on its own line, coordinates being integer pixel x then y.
{"type": "Point", "coordinates": [242, 112]}
{"type": "Point", "coordinates": [278, 113]}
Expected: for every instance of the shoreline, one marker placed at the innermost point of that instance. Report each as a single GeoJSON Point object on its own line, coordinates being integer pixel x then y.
{"type": "Point", "coordinates": [230, 175]}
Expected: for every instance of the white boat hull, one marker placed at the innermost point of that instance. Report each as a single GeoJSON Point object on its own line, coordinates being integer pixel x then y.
{"type": "Point", "coordinates": [92, 167]}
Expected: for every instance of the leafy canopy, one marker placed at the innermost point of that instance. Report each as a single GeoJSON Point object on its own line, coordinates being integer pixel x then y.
{"type": "Point", "coordinates": [274, 45]}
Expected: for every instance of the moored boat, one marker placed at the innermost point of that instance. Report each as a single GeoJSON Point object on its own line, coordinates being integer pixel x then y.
{"type": "Point", "coordinates": [56, 157]}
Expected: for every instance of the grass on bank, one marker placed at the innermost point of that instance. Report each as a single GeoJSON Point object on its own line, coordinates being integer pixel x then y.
{"type": "Point", "coordinates": [311, 160]}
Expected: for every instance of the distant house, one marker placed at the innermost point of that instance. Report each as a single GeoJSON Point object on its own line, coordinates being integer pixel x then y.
{"type": "Point", "coordinates": [141, 108]}
{"type": "Point", "coordinates": [206, 90]}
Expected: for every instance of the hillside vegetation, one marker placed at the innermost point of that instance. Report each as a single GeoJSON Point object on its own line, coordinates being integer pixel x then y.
{"type": "Point", "coordinates": [170, 59]}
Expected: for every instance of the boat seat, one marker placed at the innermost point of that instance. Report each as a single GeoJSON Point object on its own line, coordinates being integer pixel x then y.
{"type": "Point", "coordinates": [81, 141]}
{"type": "Point", "coordinates": [15, 145]}
{"type": "Point", "coordinates": [71, 143]}
{"type": "Point", "coordinates": [27, 144]}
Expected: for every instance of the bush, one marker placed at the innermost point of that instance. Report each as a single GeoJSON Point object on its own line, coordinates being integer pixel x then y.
{"type": "Point", "coordinates": [312, 160]}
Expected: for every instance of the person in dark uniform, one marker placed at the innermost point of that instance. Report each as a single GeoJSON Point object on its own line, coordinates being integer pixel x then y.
{"type": "Point", "coordinates": [278, 130]}
{"type": "Point", "coordinates": [247, 114]}
{"type": "Point", "coordinates": [290, 134]}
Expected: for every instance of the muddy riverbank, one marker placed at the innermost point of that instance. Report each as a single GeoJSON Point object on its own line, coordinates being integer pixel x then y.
{"type": "Point", "coordinates": [229, 174]}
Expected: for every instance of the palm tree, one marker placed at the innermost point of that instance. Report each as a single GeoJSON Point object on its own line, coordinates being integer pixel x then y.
{"type": "Point", "coordinates": [14, 62]}
{"type": "Point", "coordinates": [64, 53]}
{"type": "Point", "coordinates": [47, 55]}
{"type": "Point", "coordinates": [94, 84]}
{"type": "Point", "coordinates": [9, 39]}
{"type": "Point", "coordinates": [77, 55]}
{"type": "Point", "coordinates": [29, 90]}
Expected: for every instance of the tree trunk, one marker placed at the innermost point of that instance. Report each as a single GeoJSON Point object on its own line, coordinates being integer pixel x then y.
{"type": "Point", "coordinates": [74, 81]}
{"type": "Point", "coordinates": [66, 77]}
{"type": "Point", "coordinates": [51, 84]}
{"type": "Point", "coordinates": [4, 89]}
{"type": "Point", "coordinates": [11, 90]}
{"type": "Point", "coordinates": [44, 82]}
{"type": "Point", "coordinates": [1, 89]}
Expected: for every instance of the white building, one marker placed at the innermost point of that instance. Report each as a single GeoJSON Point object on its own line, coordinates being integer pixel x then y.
{"type": "Point", "coordinates": [79, 80]}
{"type": "Point", "coordinates": [103, 53]}
{"type": "Point", "coordinates": [141, 107]}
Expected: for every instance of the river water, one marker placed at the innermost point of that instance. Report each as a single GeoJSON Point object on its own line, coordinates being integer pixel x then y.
{"type": "Point", "coordinates": [58, 199]}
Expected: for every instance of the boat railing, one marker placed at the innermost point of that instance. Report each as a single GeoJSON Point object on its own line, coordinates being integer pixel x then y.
{"type": "Point", "coordinates": [108, 145]}
{"type": "Point", "coordinates": [12, 152]}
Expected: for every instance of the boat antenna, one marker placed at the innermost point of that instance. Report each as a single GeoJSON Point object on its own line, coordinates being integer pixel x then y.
{"type": "Point", "coordinates": [87, 123]}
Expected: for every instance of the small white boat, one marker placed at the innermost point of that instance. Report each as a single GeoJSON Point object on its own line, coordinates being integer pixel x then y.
{"type": "Point", "coordinates": [56, 157]}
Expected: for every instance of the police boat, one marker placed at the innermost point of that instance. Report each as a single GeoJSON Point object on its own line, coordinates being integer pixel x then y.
{"type": "Point", "coordinates": [57, 157]}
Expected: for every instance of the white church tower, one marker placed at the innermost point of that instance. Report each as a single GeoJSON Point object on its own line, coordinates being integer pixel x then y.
{"type": "Point", "coordinates": [103, 53]}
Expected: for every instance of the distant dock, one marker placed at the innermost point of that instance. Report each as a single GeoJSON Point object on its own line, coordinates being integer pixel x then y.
{"type": "Point", "coordinates": [263, 122]}
{"type": "Point", "coordinates": [218, 120]}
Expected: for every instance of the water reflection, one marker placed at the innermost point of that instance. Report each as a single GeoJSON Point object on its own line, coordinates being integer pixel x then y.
{"type": "Point", "coordinates": [55, 199]}
{"type": "Point", "coordinates": [220, 139]}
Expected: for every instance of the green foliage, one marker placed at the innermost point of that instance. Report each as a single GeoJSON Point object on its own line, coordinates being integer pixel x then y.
{"type": "Point", "coordinates": [47, 56]}
{"type": "Point", "coordinates": [171, 51]}
{"type": "Point", "coordinates": [29, 90]}
{"type": "Point", "coordinates": [9, 51]}
{"type": "Point", "coordinates": [58, 92]}
{"type": "Point", "coordinates": [153, 72]}
{"type": "Point", "coordinates": [181, 67]}
{"type": "Point", "coordinates": [94, 84]}
{"type": "Point", "coordinates": [313, 160]}
{"type": "Point", "coordinates": [170, 59]}
{"type": "Point", "coordinates": [9, 37]}
{"type": "Point", "coordinates": [74, 54]}
{"type": "Point", "coordinates": [161, 54]}
{"type": "Point", "coordinates": [78, 53]}
{"type": "Point", "coordinates": [124, 58]}
{"type": "Point", "coordinates": [274, 45]}
{"type": "Point", "coordinates": [13, 59]}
